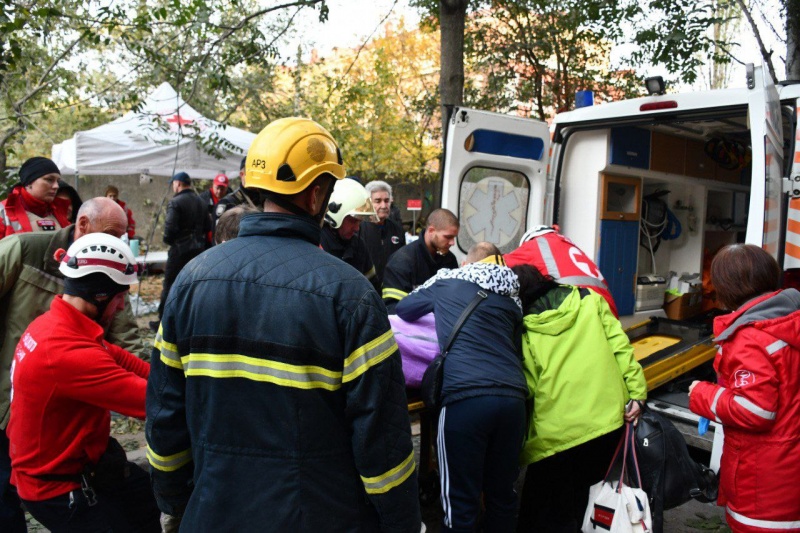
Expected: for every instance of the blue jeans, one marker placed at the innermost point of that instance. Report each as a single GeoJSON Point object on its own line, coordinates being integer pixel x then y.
{"type": "Point", "coordinates": [479, 442]}
{"type": "Point", "coordinates": [12, 517]}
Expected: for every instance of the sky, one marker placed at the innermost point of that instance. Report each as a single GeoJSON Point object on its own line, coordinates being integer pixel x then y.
{"type": "Point", "coordinates": [349, 24]}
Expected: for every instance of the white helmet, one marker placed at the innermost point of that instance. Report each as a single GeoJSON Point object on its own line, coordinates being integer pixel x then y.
{"type": "Point", "coordinates": [99, 252]}
{"type": "Point", "coordinates": [534, 232]}
{"type": "Point", "coordinates": [348, 198]}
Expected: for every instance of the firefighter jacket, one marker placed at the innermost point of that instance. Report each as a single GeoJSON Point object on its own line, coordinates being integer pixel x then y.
{"type": "Point", "coordinates": [757, 400]}
{"type": "Point", "coordinates": [580, 369]}
{"type": "Point", "coordinates": [382, 241]}
{"type": "Point", "coordinates": [353, 252]}
{"type": "Point", "coordinates": [22, 213]}
{"type": "Point", "coordinates": [484, 357]}
{"type": "Point", "coordinates": [287, 412]}
{"type": "Point", "coordinates": [29, 279]}
{"type": "Point", "coordinates": [410, 267]}
{"type": "Point", "coordinates": [555, 255]}
{"type": "Point", "coordinates": [66, 379]}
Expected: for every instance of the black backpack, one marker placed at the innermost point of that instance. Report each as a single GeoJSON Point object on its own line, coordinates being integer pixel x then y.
{"type": "Point", "coordinates": [670, 476]}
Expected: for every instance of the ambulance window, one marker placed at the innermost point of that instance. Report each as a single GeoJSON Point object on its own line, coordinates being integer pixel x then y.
{"type": "Point", "coordinates": [493, 206]}
{"type": "Point", "coordinates": [507, 144]}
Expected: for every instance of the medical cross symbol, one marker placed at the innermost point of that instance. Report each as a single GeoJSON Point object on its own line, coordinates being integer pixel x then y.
{"type": "Point", "coordinates": [179, 120]}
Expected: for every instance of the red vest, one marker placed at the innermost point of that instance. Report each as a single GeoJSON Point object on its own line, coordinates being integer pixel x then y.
{"type": "Point", "coordinates": [557, 256]}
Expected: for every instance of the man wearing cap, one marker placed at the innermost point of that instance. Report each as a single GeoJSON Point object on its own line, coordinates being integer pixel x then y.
{"type": "Point", "coordinates": [32, 205]}
{"type": "Point", "coordinates": [212, 196]}
{"type": "Point", "coordinates": [186, 231]}
{"type": "Point", "coordinates": [29, 279]}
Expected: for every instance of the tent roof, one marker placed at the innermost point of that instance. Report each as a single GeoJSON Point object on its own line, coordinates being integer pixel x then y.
{"type": "Point", "coordinates": [165, 135]}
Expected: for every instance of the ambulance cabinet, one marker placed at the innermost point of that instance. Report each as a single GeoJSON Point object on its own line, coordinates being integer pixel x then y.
{"type": "Point", "coordinates": [630, 147]}
{"type": "Point", "coordinates": [620, 202]}
{"type": "Point", "coordinates": [619, 241]}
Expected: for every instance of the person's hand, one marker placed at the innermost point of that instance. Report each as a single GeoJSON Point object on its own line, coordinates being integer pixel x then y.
{"type": "Point", "coordinates": [632, 411]}
{"type": "Point", "coordinates": [692, 386]}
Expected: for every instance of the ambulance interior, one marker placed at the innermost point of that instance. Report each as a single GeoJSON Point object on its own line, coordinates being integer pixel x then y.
{"type": "Point", "coordinates": [669, 196]}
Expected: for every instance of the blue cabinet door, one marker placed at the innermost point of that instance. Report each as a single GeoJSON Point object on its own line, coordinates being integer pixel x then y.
{"type": "Point", "coordinates": [619, 242]}
{"type": "Point", "coordinates": [630, 147]}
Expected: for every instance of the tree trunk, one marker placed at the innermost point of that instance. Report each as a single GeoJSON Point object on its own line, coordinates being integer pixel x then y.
{"type": "Point", "coordinates": [452, 17]}
{"type": "Point", "coordinates": [792, 39]}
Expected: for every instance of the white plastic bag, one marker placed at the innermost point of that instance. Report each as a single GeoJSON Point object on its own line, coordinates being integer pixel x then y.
{"type": "Point", "coordinates": [614, 506]}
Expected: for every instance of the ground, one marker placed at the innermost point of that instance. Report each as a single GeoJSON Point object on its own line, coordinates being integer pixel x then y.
{"type": "Point", "coordinates": [692, 517]}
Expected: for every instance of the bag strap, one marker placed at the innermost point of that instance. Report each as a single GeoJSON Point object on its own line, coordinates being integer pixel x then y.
{"type": "Point", "coordinates": [463, 318]}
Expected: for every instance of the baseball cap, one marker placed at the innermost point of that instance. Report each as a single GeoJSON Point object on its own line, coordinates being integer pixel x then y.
{"type": "Point", "coordinates": [183, 177]}
{"type": "Point", "coordinates": [221, 179]}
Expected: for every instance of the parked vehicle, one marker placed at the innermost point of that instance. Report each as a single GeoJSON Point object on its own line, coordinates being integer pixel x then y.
{"type": "Point", "coordinates": [647, 187]}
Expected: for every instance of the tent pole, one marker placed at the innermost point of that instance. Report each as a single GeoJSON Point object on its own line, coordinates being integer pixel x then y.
{"type": "Point", "coordinates": [76, 182]}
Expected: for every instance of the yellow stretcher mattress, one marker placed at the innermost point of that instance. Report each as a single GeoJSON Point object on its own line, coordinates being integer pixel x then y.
{"type": "Point", "coordinates": [647, 346]}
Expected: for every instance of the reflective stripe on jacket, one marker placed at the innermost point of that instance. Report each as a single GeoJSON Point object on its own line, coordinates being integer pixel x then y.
{"type": "Point", "coordinates": [287, 411]}
{"type": "Point", "coordinates": [757, 400]}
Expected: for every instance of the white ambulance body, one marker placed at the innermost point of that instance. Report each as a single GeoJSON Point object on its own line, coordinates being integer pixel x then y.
{"type": "Point", "coordinates": [596, 171]}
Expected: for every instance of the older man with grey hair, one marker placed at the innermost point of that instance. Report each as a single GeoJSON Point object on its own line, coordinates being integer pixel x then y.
{"type": "Point", "coordinates": [29, 280]}
{"type": "Point", "coordinates": [384, 237]}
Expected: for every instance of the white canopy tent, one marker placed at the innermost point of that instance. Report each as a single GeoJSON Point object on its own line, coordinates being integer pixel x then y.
{"type": "Point", "coordinates": [162, 137]}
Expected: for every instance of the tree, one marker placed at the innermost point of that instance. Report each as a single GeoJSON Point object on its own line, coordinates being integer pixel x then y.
{"type": "Point", "coordinates": [378, 101]}
{"type": "Point", "coordinates": [56, 52]}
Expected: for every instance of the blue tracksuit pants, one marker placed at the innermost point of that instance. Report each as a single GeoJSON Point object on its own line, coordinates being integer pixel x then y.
{"type": "Point", "coordinates": [479, 442]}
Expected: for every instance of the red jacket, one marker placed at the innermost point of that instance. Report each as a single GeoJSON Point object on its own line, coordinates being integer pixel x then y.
{"type": "Point", "coordinates": [131, 229]}
{"type": "Point", "coordinates": [65, 380]}
{"type": "Point", "coordinates": [757, 400]}
{"type": "Point", "coordinates": [14, 212]}
{"type": "Point", "coordinates": [557, 256]}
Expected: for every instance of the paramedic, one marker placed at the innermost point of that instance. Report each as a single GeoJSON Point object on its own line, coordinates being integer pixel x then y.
{"type": "Point", "coordinates": [65, 381]}
{"type": "Point", "coordinates": [32, 205]}
{"type": "Point", "coordinates": [288, 414]}
{"type": "Point", "coordinates": [556, 256]}
{"type": "Point", "coordinates": [757, 394]}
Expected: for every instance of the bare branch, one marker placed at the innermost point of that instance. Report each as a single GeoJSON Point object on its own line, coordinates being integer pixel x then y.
{"type": "Point", "coordinates": [766, 55]}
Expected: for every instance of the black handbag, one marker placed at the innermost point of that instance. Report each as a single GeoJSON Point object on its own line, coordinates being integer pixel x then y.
{"type": "Point", "coordinates": [669, 474]}
{"type": "Point", "coordinates": [431, 388]}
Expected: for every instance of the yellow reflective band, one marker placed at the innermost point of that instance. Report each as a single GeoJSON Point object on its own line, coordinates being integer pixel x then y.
{"type": "Point", "coordinates": [394, 477]}
{"type": "Point", "coordinates": [169, 351]}
{"type": "Point", "coordinates": [371, 274]}
{"type": "Point", "coordinates": [168, 463]}
{"type": "Point", "coordinates": [368, 356]}
{"type": "Point", "coordinates": [393, 294]}
{"type": "Point", "coordinates": [242, 366]}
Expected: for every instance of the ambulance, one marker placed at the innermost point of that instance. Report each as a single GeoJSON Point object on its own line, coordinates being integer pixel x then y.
{"type": "Point", "coordinates": [650, 188]}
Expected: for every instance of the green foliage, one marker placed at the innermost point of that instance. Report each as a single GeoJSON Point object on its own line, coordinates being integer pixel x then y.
{"type": "Point", "coordinates": [59, 54]}
{"type": "Point", "coordinates": [378, 102]}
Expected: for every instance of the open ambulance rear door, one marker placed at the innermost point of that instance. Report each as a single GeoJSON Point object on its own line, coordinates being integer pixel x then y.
{"type": "Point", "coordinates": [494, 177]}
{"type": "Point", "coordinates": [766, 222]}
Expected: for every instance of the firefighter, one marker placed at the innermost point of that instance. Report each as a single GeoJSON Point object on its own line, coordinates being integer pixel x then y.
{"type": "Point", "coordinates": [555, 255]}
{"type": "Point", "coordinates": [349, 205]}
{"type": "Point", "coordinates": [288, 412]}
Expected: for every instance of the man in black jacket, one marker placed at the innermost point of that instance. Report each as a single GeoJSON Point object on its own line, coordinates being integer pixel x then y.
{"type": "Point", "coordinates": [384, 237]}
{"type": "Point", "coordinates": [186, 230]}
{"type": "Point", "coordinates": [237, 197]}
{"type": "Point", "coordinates": [414, 264]}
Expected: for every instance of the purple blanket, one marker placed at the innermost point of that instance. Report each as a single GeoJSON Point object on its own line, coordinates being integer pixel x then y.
{"type": "Point", "coordinates": [418, 346]}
